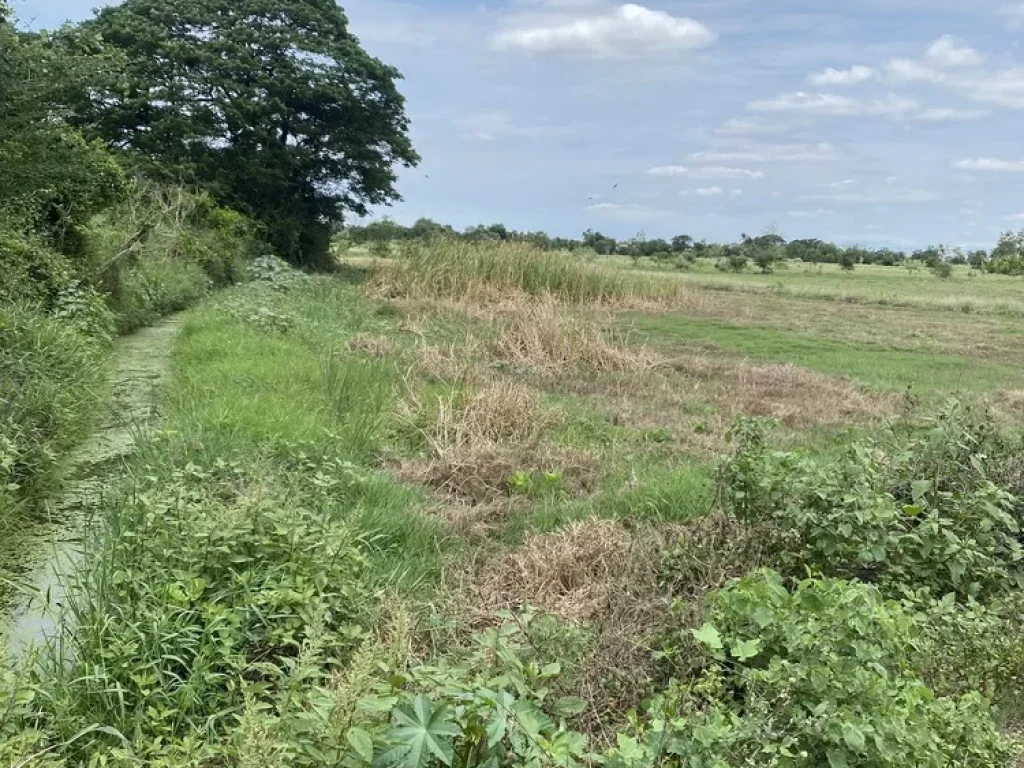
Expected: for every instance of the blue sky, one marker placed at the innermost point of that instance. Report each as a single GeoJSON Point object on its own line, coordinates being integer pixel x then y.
{"type": "Point", "coordinates": [882, 122]}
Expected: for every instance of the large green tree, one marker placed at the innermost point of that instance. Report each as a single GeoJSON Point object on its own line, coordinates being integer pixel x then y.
{"type": "Point", "coordinates": [51, 178]}
{"type": "Point", "coordinates": [271, 104]}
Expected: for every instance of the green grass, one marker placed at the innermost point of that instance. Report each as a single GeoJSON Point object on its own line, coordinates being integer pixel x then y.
{"type": "Point", "coordinates": [874, 366]}
{"type": "Point", "coordinates": [966, 292]}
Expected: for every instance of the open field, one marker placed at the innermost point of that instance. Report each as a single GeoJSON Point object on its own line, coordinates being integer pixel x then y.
{"type": "Point", "coordinates": [966, 291]}
{"type": "Point", "coordinates": [482, 485]}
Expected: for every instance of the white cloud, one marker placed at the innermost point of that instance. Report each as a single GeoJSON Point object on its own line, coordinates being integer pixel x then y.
{"type": "Point", "coordinates": [767, 153]}
{"type": "Point", "coordinates": [990, 164]}
{"type": "Point", "coordinates": [492, 126]}
{"type": "Point", "coordinates": [1015, 217]}
{"type": "Point", "coordinates": [948, 52]}
{"type": "Point", "coordinates": [708, 191]}
{"type": "Point", "coordinates": [841, 184]}
{"type": "Point", "coordinates": [630, 29]}
{"type": "Point", "coordinates": [852, 76]}
{"type": "Point", "coordinates": [708, 172]}
{"type": "Point", "coordinates": [835, 105]}
{"type": "Point", "coordinates": [1014, 15]}
{"type": "Point", "coordinates": [811, 214]}
{"type": "Point", "coordinates": [895, 196]}
{"type": "Point", "coordinates": [950, 115]}
{"type": "Point", "coordinates": [910, 71]}
{"type": "Point", "coordinates": [749, 126]}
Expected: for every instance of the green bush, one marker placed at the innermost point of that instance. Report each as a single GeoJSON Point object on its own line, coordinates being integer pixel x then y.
{"type": "Point", "coordinates": [821, 674]}
{"type": "Point", "coordinates": [193, 595]}
{"type": "Point", "coordinates": [907, 511]}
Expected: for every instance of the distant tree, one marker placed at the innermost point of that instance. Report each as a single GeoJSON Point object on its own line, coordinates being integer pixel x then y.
{"type": "Point", "coordinates": [273, 106]}
{"type": "Point", "coordinates": [977, 258]}
{"type": "Point", "coordinates": [424, 229]}
{"type": "Point", "coordinates": [602, 244]}
{"type": "Point", "coordinates": [848, 259]}
{"type": "Point", "coordinates": [942, 269]}
{"type": "Point", "coordinates": [657, 248]}
{"type": "Point", "coordinates": [735, 258]}
{"type": "Point", "coordinates": [682, 244]}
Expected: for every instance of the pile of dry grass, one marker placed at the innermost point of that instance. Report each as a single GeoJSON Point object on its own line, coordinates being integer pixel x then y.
{"type": "Point", "coordinates": [479, 439]}
{"type": "Point", "coordinates": [454, 362]}
{"type": "Point", "coordinates": [795, 395]}
{"type": "Point", "coordinates": [578, 573]}
{"type": "Point", "coordinates": [542, 335]}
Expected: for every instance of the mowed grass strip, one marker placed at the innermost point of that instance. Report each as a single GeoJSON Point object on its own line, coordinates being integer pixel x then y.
{"type": "Point", "coordinates": [875, 366]}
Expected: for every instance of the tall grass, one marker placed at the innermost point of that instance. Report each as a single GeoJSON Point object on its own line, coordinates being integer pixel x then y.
{"type": "Point", "coordinates": [446, 268]}
{"type": "Point", "coordinates": [51, 382]}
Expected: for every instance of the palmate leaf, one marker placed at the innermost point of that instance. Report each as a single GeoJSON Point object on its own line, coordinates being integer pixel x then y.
{"type": "Point", "coordinates": [424, 731]}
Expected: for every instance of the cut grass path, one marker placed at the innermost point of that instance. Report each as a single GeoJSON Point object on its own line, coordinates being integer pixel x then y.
{"type": "Point", "coordinates": [876, 366]}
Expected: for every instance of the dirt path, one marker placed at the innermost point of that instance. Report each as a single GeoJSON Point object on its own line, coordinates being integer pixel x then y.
{"type": "Point", "coordinates": [140, 366]}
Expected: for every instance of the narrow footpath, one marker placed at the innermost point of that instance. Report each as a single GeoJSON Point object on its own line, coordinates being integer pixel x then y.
{"type": "Point", "coordinates": [140, 366]}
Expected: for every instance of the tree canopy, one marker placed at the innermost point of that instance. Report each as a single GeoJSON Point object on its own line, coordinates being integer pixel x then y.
{"type": "Point", "coordinates": [273, 105]}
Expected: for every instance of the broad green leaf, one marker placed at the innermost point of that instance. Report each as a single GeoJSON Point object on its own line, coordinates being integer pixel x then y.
{"type": "Point", "coordinates": [361, 742]}
{"type": "Point", "coordinates": [709, 636]}
{"type": "Point", "coordinates": [919, 488]}
{"type": "Point", "coordinates": [570, 706]}
{"type": "Point", "coordinates": [837, 758]}
{"type": "Point", "coordinates": [854, 737]}
{"type": "Point", "coordinates": [746, 649]}
{"type": "Point", "coordinates": [425, 731]}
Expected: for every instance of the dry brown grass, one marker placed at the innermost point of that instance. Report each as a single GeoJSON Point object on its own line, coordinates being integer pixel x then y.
{"type": "Point", "coordinates": [592, 573]}
{"type": "Point", "coordinates": [541, 334]}
{"type": "Point", "coordinates": [479, 439]}
{"type": "Point", "coordinates": [374, 346]}
{"type": "Point", "coordinates": [797, 396]}
{"type": "Point", "coordinates": [577, 573]}
{"type": "Point", "coordinates": [453, 362]}
{"type": "Point", "coordinates": [697, 398]}
{"type": "Point", "coordinates": [620, 584]}
{"type": "Point", "coordinates": [478, 477]}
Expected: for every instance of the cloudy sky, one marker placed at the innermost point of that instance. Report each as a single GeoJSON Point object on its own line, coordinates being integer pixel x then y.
{"type": "Point", "coordinates": [883, 122]}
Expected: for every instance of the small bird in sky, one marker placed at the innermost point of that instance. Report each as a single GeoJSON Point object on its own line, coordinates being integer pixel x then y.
{"type": "Point", "coordinates": [616, 186]}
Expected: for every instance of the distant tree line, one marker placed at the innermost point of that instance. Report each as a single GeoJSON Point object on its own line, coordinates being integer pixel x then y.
{"type": "Point", "coordinates": [761, 251]}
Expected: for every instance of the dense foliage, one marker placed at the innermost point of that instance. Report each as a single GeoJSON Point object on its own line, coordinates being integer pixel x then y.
{"type": "Point", "coordinates": [925, 510]}
{"type": "Point", "coordinates": [272, 106]}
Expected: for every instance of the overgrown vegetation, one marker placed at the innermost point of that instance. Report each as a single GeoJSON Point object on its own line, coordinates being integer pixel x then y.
{"type": "Point", "coordinates": [456, 511]}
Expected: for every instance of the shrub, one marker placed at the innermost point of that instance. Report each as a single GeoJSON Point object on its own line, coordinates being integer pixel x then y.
{"type": "Point", "coordinates": [194, 594]}
{"type": "Point", "coordinates": [817, 675]}
{"type": "Point", "coordinates": [897, 512]}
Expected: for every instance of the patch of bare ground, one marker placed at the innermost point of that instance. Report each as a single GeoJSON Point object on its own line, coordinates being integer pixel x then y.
{"type": "Point", "coordinates": [626, 586]}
